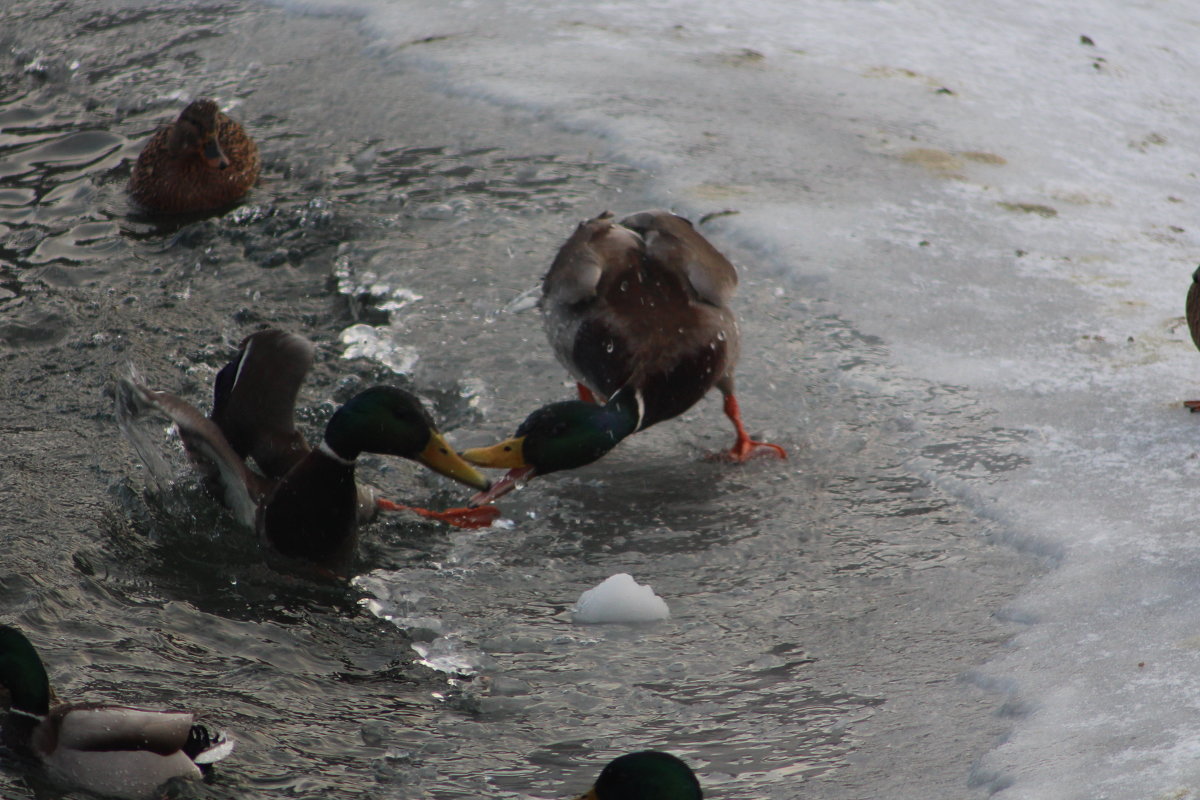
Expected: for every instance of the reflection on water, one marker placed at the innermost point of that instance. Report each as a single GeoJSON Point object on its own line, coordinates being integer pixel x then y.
{"type": "Point", "coordinates": [800, 606]}
{"type": "Point", "coordinates": [48, 203]}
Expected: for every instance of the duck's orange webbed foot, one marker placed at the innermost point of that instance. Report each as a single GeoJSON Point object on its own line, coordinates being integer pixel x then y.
{"type": "Point", "coordinates": [744, 448]}
{"type": "Point", "coordinates": [1192, 405]}
{"type": "Point", "coordinates": [480, 517]}
{"type": "Point", "coordinates": [585, 394]}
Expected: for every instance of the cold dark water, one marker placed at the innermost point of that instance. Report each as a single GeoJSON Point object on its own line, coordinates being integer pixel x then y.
{"type": "Point", "coordinates": [827, 612]}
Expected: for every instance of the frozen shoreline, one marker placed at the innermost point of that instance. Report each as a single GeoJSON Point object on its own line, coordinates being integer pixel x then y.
{"type": "Point", "coordinates": [980, 290]}
{"type": "Point", "coordinates": [1008, 203]}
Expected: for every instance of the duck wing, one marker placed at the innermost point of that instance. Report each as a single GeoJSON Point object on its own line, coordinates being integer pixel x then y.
{"type": "Point", "coordinates": [206, 445]}
{"type": "Point", "coordinates": [115, 751]}
{"type": "Point", "coordinates": [595, 255]}
{"type": "Point", "coordinates": [101, 728]}
{"type": "Point", "coordinates": [673, 244]}
{"type": "Point", "coordinates": [254, 400]}
{"type": "Point", "coordinates": [580, 300]}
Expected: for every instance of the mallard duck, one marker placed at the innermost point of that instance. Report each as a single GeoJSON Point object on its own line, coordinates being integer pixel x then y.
{"type": "Point", "coordinates": [1193, 320]}
{"type": "Point", "coordinates": [110, 750]}
{"type": "Point", "coordinates": [646, 775]}
{"type": "Point", "coordinates": [303, 501]}
{"type": "Point", "coordinates": [200, 162]}
{"type": "Point", "coordinates": [637, 311]}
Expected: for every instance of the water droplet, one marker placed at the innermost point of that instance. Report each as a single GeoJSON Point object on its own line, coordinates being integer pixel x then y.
{"type": "Point", "coordinates": [624, 286]}
{"type": "Point", "coordinates": [608, 346]}
{"type": "Point", "coordinates": [720, 336]}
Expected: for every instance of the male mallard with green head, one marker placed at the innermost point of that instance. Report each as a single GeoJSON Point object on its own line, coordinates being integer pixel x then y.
{"type": "Point", "coordinates": [304, 502]}
{"type": "Point", "coordinates": [638, 313]}
{"type": "Point", "coordinates": [200, 162]}
{"type": "Point", "coordinates": [115, 751]}
{"type": "Point", "coordinates": [646, 775]}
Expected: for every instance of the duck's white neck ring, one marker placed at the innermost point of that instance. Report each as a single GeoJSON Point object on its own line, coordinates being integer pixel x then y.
{"type": "Point", "coordinates": [641, 409]}
{"type": "Point", "coordinates": [639, 404]}
{"type": "Point", "coordinates": [324, 448]}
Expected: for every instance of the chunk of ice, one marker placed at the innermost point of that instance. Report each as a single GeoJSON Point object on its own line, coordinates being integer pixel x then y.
{"type": "Point", "coordinates": [620, 599]}
{"type": "Point", "coordinates": [379, 344]}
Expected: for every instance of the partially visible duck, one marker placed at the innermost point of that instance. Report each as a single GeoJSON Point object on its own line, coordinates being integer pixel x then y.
{"type": "Point", "coordinates": [638, 313]}
{"type": "Point", "coordinates": [1193, 320]}
{"type": "Point", "coordinates": [115, 751]}
{"type": "Point", "coordinates": [303, 501]}
{"type": "Point", "coordinates": [646, 775]}
{"type": "Point", "coordinates": [200, 162]}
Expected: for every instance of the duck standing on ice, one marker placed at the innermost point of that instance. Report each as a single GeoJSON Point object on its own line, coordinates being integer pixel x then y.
{"type": "Point", "coordinates": [638, 312]}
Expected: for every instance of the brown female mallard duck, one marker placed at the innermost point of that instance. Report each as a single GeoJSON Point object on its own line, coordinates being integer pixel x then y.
{"type": "Point", "coordinates": [303, 501]}
{"type": "Point", "coordinates": [637, 311]}
{"type": "Point", "coordinates": [200, 162]}
{"type": "Point", "coordinates": [114, 751]}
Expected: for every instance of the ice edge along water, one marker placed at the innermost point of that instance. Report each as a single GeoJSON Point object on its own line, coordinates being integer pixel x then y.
{"type": "Point", "coordinates": [1027, 178]}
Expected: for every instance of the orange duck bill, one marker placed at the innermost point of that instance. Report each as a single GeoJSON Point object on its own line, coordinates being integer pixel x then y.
{"type": "Point", "coordinates": [213, 154]}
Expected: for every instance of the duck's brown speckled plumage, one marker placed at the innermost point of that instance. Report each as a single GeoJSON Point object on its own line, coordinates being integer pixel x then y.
{"type": "Point", "coordinates": [200, 162]}
{"type": "Point", "coordinates": [638, 312]}
{"type": "Point", "coordinates": [643, 304]}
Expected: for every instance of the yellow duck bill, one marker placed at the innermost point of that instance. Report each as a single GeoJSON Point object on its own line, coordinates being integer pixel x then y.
{"type": "Point", "coordinates": [439, 456]}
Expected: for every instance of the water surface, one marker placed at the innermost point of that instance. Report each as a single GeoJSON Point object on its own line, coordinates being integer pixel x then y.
{"type": "Point", "coordinates": [825, 610]}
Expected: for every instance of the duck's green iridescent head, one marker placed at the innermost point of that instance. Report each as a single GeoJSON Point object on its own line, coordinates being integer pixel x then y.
{"type": "Point", "coordinates": [391, 421]}
{"type": "Point", "coordinates": [646, 775]}
{"type": "Point", "coordinates": [22, 674]}
{"type": "Point", "coordinates": [559, 436]}
{"type": "Point", "coordinates": [570, 434]}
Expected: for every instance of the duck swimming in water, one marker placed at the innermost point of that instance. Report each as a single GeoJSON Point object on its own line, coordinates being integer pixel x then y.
{"type": "Point", "coordinates": [646, 775]}
{"type": "Point", "coordinates": [304, 501]}
{"type": "Point", "coordinates": [638, 312]}
{"type": "Point", "coordinates": [200, 162]}
{"type": "Point", "coordinates": [115, 751]}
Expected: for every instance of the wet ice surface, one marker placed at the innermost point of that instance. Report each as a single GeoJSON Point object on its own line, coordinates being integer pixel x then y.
{"type": "Point", "coordinates": [824, 611]}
